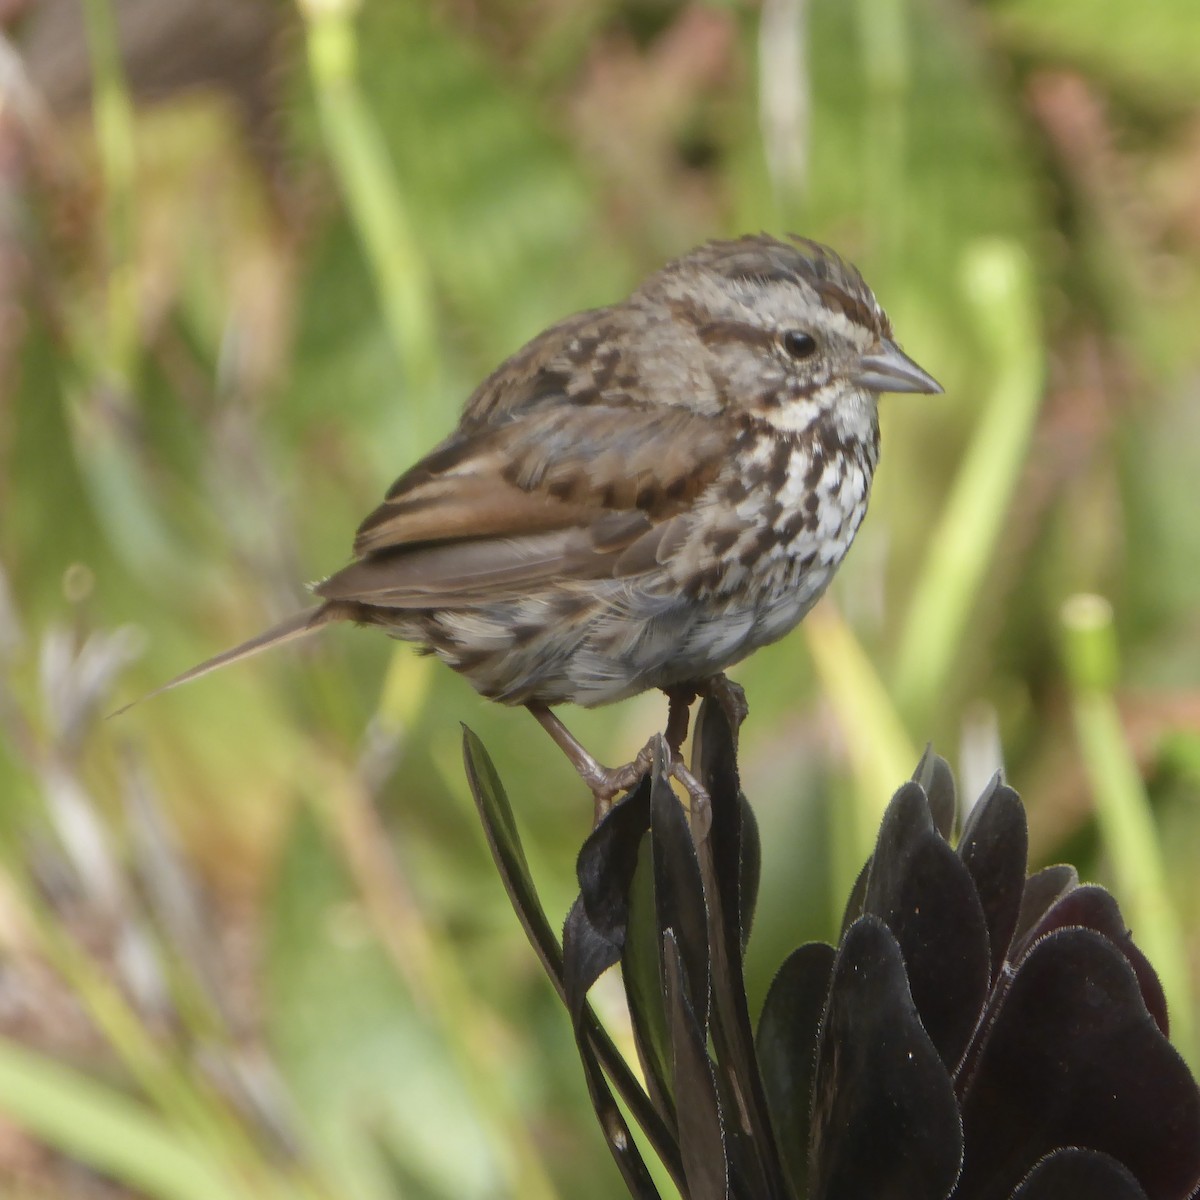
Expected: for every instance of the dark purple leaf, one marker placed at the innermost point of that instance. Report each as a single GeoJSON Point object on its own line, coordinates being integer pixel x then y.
{"type": "Point", "coordinates": [1073, 1058]}
{"type": "Point", "coordinates": [593, 1042]}
{"type": "Point", "coordinates": [736, 853]}
{"type": "Point", "coordinates": [641, 970]}
{"type": "Point", "coordinates": [701, 1131]}
{"type": "Point", "coordinates": [1086, 1174]}
{"type": "Point", "coordinates": [500, 827]}
{"type": "Point", "coordinates": [885, 1122]}
{"type": "Point", "coordinates": [678, 891]}
{"type": "Point", "coordinates": [858, 894]}
{"type": "Point", "coordinates": [728, 854]}
{"type": "Point", "coordinates": [608, 858]}
{"type": "Point", "coordinates": [937, 782]}
{"type": "Point", "coordinates": [587, 954]}
{"type": "Point", "coordinates": [787, 1051]}
{"type": "Point", "coordinates": [594, 933]}
{"type": "Point", "coordinates": [617, 1134]}
{"type": "Point", "coordinates": [1042, 889]}
{"type": "Point", "coordinates": [1091, 907]}
{"type": "Point", "coordinates": [920, 888]}
{"type": "Point", "coordinates": [750, 872]}
{"type": "Point", "coordinates": [994, 847]}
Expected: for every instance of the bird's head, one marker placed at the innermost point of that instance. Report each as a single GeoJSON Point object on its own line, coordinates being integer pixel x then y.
{"type": "Point", "coordinates": [789, 331]}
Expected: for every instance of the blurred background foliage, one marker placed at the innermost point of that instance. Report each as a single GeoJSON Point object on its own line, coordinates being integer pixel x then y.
{"type": "Point", "coordinates": [253, 258]}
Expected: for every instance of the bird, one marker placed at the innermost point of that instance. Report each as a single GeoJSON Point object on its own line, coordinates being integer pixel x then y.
{"type": "Point", "coordinates": [638, 498]}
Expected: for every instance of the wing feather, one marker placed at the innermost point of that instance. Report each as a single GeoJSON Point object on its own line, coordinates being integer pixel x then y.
{"type": "Point", "coordinates": [527, 491]}
{"type": "Point", "coordinates": [463, 507]}
{"type": "Point", "coordinates": [460, 572]}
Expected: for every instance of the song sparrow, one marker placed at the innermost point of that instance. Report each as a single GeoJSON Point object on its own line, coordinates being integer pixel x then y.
{"type": "Point", "coordinates": [642, 495]}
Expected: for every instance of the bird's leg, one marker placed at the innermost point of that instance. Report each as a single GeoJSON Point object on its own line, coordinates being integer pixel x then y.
{"type": "Point", "coordinates": [679, 710]}
{"type": "Point", "coordinates": [679, 703]}
{"type": "Point", "coordinates": [697, 794]}
{"type": "Point", "coordinates": [732, 699]}
{"type": "Point", "coordinates": [604, 782]}
{"type": "Point", "coordinates": [729, 695]}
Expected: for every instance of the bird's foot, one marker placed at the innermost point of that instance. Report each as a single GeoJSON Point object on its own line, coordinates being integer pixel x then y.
{"type": "Point", "coordinates": [606, 783]}
{"type": "Point", "coordinates": [701, 803]}
{"type": "Point", "coordinates": [675, 768]}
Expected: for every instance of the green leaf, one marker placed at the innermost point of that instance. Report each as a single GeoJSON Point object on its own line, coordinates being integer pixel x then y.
{"type": "Point", "coordinates": [1149, 48]}
{"type": "Point", "coordinates": [364, 1064]}
{"type": "Point", "coordinates": [105, 1129]}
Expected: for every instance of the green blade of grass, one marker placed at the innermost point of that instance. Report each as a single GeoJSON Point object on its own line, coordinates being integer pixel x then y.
{"type": "Point", "coordinates": [880, 749]}
{"type": "Point", "coordinates": [373, 195]}
{"type": "Point", "coordinates": [1123, 808]}
{"type": "Point", "coordinates": [104, 1129]}
{"type": "Point", "coordinates": [1000, 287]}
{"type": "Point", "coordinates": [113, 116]}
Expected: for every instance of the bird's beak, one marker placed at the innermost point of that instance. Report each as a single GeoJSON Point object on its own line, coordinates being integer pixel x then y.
{"type": "Point", "coordinates": [889, 369]}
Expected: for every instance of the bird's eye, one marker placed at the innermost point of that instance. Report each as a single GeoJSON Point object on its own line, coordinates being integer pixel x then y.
{"type": "Point", "coordinates": [799, 344]}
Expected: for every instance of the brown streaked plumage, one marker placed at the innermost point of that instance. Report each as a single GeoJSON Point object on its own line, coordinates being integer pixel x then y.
{"type": "Point", "coordinates": [643, 494]}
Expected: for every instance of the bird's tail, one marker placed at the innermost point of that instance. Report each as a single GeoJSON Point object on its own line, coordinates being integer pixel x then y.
{"type": "Point", "coordinates": [297, 626]}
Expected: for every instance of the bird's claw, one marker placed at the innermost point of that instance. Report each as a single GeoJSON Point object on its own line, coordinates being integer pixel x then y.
{"type": "Point", "coordinates": [606, 783]}
{"type": "Point", "coordinates": [701, 803]}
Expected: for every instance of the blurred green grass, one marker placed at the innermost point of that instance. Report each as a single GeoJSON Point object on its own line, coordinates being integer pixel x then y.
{"type": "Point", "coordinates": [253, 923]}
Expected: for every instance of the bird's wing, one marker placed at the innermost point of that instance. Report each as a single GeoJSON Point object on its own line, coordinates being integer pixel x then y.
{"type": "Point", "coordinates": [551, 492]}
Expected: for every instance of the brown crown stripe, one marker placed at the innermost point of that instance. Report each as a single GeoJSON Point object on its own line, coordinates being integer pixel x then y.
{"type": "Point", "coordinates": [853, 308]}
{"type": "Point", "coordinates": [715, 332]}
{"type": "Point", "coordinates": [757, 273]}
